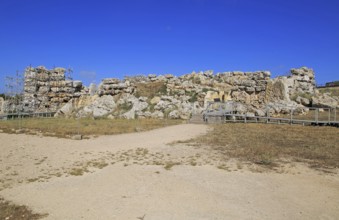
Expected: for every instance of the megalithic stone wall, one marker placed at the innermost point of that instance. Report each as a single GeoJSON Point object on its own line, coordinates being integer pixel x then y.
{"type": "Point", "coordinates": [246, 87]}
{"type": "Point", "coordinates": [167, 95]}
{"type": "Point", "coordinates": [48, 90]}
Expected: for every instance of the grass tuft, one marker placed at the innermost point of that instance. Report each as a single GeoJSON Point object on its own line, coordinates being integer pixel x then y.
{"type": "Point", "coordinates": [170, 164]}
{"type": "Point", "coordinates": [10, 211]}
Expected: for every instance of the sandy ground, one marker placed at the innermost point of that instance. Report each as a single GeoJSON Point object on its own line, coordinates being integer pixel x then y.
{"type": "Point", "coordinates": [141, 176]}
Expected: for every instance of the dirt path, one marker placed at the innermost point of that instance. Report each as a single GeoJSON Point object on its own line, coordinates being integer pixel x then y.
{"type": "Point", "coordinates": [140, 176]}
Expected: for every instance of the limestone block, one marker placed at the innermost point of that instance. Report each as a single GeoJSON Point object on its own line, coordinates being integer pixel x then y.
{"type": "Point", "coordinates": [59, 70]}
{"type": "Point", "coordinates": [169, 76]}
{"type": "Point", "coordinates": [129, 90]}
{"type": "Point", "coordinates": [250, 89]}
{"type": "Point", "coordinates": [68, 83]}
{"type": "Point", "coordinates": [43, 89]}
{"type": "Point", "coordinates": [77, 84]}
{"type": "Point", "coordinates": [155, 100]}
{"type": "Point", "coordinates": [157, 115]}
{"type": "Point", "coordinates": [110, 81]}
{"type": "Point", "coordinates": [30, 89]}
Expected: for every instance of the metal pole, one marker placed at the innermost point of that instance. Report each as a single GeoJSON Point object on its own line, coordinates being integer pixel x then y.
{"type": "Point", "coordinates": [329, 115]}
{"type": "Point", "coordinates": [291, 116]}
{"type": "Point", "coordinates": [267, 114]}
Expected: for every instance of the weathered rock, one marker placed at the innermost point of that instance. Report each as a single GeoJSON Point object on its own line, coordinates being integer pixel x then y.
{"type": "Point", "coordinates": [168, 76]}
{"type": "Point", "coordinates": [77, 84]}
{"type": "Point", "coordinates": [208, 73]}
{"type": "Point", "coordinates": [162, 105]}
{"type": "Point", "coordinates": [129, 115]}
{"type": "Point", "coordinates": [92, 89]}
{"type": "Point", "coordinates": [250, 89]}
{"type": "Point", "coordinates": [19, 131]}
{"type": "Point", "coordinates": [175, 97]}
{"type": "Point", "coordinates": [324, 101]}
{"type": "Point", "coordinates": [260, 112]}
{"type": "Point", "coordinates": [174, 114]}
{"type": "Point", "coordinates": [250, 114]}
{"type": "Point", "coordinates": [240, 108]}
{"type": "Point", "coordinates": [110, 81]}
{"type": "Point", "coordinates": [303, 101]}
{"type": "Point", "coordinates": [155, 100]}
{"type": "Point", "coordinates": [146, 114]}
{"type": "Point", "coordinates": [157, 115]}
{"type": "Point", "coordinates": [65, 110]}
{"type": "Point", "coordinates": [77, 137]}
{"type": "Point", "coordinates": [100, 107]}
{"type": "Point", "coordinates": [46, 90]}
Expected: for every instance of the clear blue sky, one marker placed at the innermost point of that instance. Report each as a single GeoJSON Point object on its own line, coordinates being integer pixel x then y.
{"type": "Point", "coordinates": [102, 38]}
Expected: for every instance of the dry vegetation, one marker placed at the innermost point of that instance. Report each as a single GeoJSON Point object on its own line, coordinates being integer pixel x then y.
{"type": "Point", "coordinates": [312, 114]}
{"type": "Point", "coordinates": [61, 127]}
{"type": "Point", "coordinates": [10, 211]}
{"type": "Point", "coordinates": [151, 89]}
{"type": "Point", "coordinates": [334, 91]}
{"type": "Point", "coordinates": [270, 144]}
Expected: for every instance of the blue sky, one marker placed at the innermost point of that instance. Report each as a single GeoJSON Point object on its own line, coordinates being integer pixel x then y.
{"type": "Point", "coordinates": [101, 38]}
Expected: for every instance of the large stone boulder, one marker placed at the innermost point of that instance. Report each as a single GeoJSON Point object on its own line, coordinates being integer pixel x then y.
{"type": "Point", "coordinates": [303, 101]}
{"type": "Point", "coordinates": [92, 89]}
{"type": "Point", "coordinates": [158, 115]}
{"type": "Point", "coordinates": [138, 105]}
{"type": "Point", "coordinates": [324, 101]}
{"type": "Point", "coordinates": [286, 107]}
{"type": "Point", "coordinates": [174, 114]}
{"type": "Point", "coordinates": [66, 110]}
{"type": "Point", "coordinates": [280, 89]}
{"type": "Point", "coordinates": [77, 84]}
{"type": "Point", "coordinates": [100, 107]}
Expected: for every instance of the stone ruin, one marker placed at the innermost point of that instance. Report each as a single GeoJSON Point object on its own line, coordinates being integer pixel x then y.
{"type": "Point", "coordinates": [48, 90]}
{"type": "Point", "coordinates": [168, 96]}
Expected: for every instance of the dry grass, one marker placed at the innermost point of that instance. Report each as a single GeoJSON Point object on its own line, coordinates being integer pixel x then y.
{"type": "Point", "coordinates": [267, 144]}
{"type": "Point", "coordinates": [62, 127]}
{"type": "Point", "coordinates": [324, 115]}
{"type": "Point", "coordinates": [170, 164]}
{"type": "Point", "coordinates": [151, 89]}
{"type": "Point", "coordinates": [10, 211]}
{"type": "Point", "coordinates": [334, 91]}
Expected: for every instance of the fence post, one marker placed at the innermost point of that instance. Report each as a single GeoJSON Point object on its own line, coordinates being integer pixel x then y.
{"type": "Point", "coordinates": [267, 114]}
{"type": "Point", "coordinates": [291, 116]}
